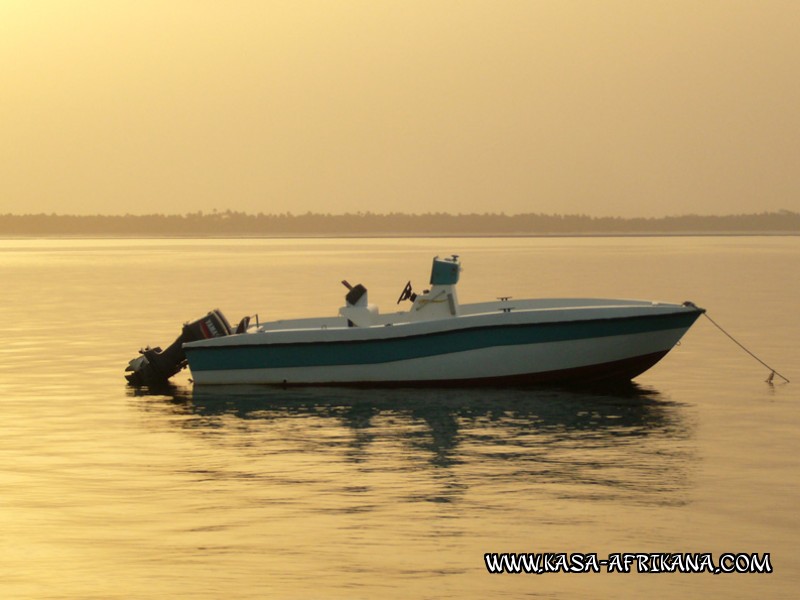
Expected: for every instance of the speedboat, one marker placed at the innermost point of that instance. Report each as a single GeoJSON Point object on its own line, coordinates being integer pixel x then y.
{"type": "Point", "coordinates": [436, 342]}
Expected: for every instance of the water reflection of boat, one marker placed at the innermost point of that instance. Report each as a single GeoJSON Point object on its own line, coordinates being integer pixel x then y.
{"type": "Point", "coordinates": [620, 407]}
{"type": "Point", "coordinates": [438, 341]}
{"type": "Point", "coordinates": [628, 438]}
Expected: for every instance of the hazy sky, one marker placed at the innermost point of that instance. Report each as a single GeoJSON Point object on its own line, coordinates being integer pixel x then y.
{"type": "Point", "coordinates": [626, 107]}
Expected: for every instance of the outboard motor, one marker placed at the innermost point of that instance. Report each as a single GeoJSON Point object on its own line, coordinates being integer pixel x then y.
{"type": "Point", "coordinates": [156, 366]}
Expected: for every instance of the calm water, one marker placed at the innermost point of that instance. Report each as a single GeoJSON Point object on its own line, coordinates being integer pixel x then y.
{"type": "Point", "coordinates": [252, 493]}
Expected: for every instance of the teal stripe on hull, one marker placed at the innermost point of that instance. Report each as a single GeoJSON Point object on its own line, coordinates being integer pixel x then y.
{"type": "Point", "coordinates": [321, 353]}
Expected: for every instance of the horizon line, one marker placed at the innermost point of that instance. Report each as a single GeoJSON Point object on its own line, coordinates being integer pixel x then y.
{"type": "Point", "coordinates": [219, 213]}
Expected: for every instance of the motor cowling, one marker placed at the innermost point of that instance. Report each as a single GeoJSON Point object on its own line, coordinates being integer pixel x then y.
{"type": "Point", "coordinates": [155, 366]}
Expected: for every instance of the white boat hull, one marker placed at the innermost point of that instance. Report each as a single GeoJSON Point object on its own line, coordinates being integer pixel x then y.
{"type": "Point", "coordinates": [563, 343]}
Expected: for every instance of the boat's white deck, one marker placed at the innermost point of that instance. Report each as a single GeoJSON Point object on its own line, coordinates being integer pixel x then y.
{"type": "Point", "coordinates": [542, 305]}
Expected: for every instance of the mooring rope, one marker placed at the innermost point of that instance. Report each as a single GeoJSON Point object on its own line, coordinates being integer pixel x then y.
{"type": "Point", "coordinates": [738, 343]}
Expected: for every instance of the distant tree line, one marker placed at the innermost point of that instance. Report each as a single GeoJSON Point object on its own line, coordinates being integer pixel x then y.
{"type": "Point", "coordinates": [231, 223]}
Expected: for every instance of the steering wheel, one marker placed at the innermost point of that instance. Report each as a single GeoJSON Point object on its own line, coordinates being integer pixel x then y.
{"type": "Point", "coordinates": [405, 294]}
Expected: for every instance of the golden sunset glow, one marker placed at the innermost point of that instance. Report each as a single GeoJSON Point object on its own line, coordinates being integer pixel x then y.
{"type": "Point", "coordinates": [622, 108]}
